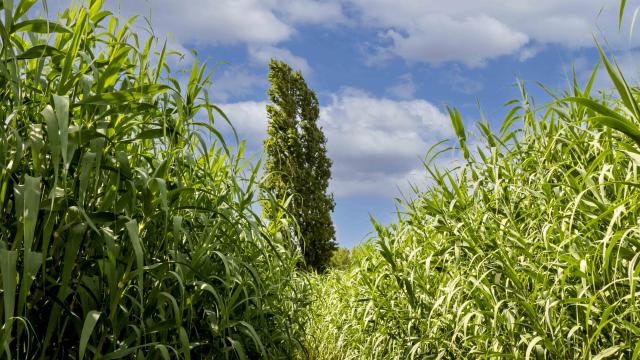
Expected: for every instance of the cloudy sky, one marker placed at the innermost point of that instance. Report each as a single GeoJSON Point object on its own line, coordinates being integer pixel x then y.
{"type": "Point", "coordinates": [384, 71]}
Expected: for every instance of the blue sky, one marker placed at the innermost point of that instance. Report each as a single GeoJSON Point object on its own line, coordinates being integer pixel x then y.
{"type": "Point", "coordinates": [384, 70]}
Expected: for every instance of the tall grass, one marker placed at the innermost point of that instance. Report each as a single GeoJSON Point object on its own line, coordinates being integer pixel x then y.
{"type": "Point", "coordinates": [531, 249]}
{"type": "Point", "coordinates": [127, 225]}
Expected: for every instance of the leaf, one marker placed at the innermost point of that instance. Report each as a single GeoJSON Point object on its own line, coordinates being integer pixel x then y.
{"type": "Point", "coordinates": [61, 104]}
{"type": "Point", "coordinates": [40, 27]}
{"type": "Point", "coordinates": [184, 341]}
{"type": "Point", "coordinates": [32, 262]}
{"type": "Point", "coordinates": [71, 251]}
{"type": "Point", "coordinates": [53, 133]}
{"type": "Point", "coordinates": [23, 7]}
{"type": "Point", "coordinates": [72, 51]}
{"type": "Point", "coordinates": [531, 346]}
{"type": "Point", "coordinates": [132, 230]}
{"type": "Point", "coordinates": [607, 352]}
{"type": "Point", "coordinates": [163, 351]}
{"type": "Point", "coordinates": [621, 85]}
{"type": "Point", "coordinates": [30, 209]}
{"type": "Point", "coordinates": [624, 126]}
{"type": "Point", "coordinates": [595, 106]}
{"type": "Point", "coordinates": [238, 348]}
{"type": "Point", "coordinates": [150, 134]}
{"type": "Point", "coordinates": [623, 4]}
{"type": "Point", "coordinates": [8, 260]}
{"type": "Point", "coordinates": [8, 12]}
{"type": "Point", "coordinates": [124, 96]}
{"type": "Point", "coordinates": [86, 165]}
{"type": "Point", "coordinates": [633, 155]}
{"type": "Point", "coordinates": [89, 324]}
{"type": "Point", "coordinates": [633, 23]}
{"type": "Point", "coordinates": [458, 127]}
{"type": "Point", "coordinates": [39, 51]}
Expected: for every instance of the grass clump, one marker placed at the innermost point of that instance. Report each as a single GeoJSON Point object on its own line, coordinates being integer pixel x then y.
{"type": "Point", "coordinates": [128, 227]}
{"type": "Point", "coordinates": [530, 249]}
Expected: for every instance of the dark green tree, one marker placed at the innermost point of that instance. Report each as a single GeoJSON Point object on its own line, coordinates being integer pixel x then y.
{"type": "Point", "coordinates": [297, 166]}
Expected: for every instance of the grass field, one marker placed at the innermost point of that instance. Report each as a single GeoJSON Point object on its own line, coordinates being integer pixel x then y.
{"type": "Point", "coordinates": [529, 249]}
{"type": "Point", "coordinates": [130, 229]}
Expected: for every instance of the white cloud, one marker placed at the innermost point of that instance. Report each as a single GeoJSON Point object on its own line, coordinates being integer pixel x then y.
{"type": "Point", "coordinates": [260, 25]}
{"type": "Point", "coordinates": [474, 31]}
{"type": "Point", "coordinates": [461, 83]}
{"type": "Point", "coordinates": [472, 40]}
{"type": "Point", "coordinates": [529, 52]}
{"type": "Point", "coordinates": [312, 12]}
{"type": "Point", "coordinates": [263, 54]}
{"type": "Point", "coordinates": [235, 82]}
{"type": "Point", "coordinates": [376, 144]}
{"type": "Point", "coordinates": [404, 89]}
{"type": "Point", "coordinates": [257, 22]}
{"type": "Point", "coordinates": [430, 31]}
{"type": "Point", "coordinates": [213, 22]}
{"type": "Point", "coordinates": [249, 119]}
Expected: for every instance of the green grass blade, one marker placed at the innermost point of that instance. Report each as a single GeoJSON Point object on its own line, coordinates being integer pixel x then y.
{"type": "Point", "coordinates": [39, 51]}
{"type": "Point", "coordinates": [40, 27]}
{"type": "Point", "coordinates": [133, 232]}
{"type": "Point", "coordinates": [30, 209]}
{"type": "Point", "coordinates": [87, 329]}
{"type": "Point", "coordinates": [8, 261]}
{"type": "Point", "coordinates": [61, 104]}
{"type": "Point", "coordinates": [624, 126]}
{"type": "Point", "coordinates": [623, 4]}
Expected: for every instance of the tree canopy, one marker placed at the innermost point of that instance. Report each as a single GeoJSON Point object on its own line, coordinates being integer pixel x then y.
{"type": "Point", "coordinates": [297, 167]}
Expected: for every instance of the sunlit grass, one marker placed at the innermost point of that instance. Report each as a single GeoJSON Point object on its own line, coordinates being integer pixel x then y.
{"type": "Point", "coordinates": [530, 249]}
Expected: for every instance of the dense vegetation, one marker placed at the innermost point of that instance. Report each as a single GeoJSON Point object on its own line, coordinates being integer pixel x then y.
{"type": "Point", "coordinates": [529, 249]}
{"type": "Point", "coordinates": [297, 167]}
{"type": "Point", "coordinates": [127, 226]}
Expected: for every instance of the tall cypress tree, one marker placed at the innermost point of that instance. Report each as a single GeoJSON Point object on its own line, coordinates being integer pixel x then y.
{"type": "Point", "coordinates": [297, 165]}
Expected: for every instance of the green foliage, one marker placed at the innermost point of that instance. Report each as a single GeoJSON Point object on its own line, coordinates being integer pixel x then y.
{"type": "Point", "coordinates": [297, 167]}
{"type": "Point", "coordinates": [127, 227]}
{"type": "Point", "coordinates": [530, 249]}
{"type": "Point", "coordinates": [340, 259]}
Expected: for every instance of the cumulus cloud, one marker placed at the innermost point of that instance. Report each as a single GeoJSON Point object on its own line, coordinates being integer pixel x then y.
{"type": "Point", "coordinates": [404, 89]}
{"type": "Point", "coordinates": [257, 22]}
{"type": "Point", "coordinates": [259, 25]}
{"type": "Point", "coordinates": [440, 38]}
{"type": "Point", "coordinates": [474, 31]}
{"type": "Point", "coordinates": [263, 54]}
{"type": "Point", "coordinates": [529, 52]}
{"type": "Point", "coordinates": [212, 22]}
{"type": "Point", "coordinates": [235, 82]}
{"type": "Point", "coordinates": [426, 31]}
{"type": "Point", "coordinates": [461, 83]}
{"type": "Point", "coordinates": [376, 144]}
{"type": "Point", "coordinates": [249, 119]}
{"type": "Point", "coordinates": [312, 12]}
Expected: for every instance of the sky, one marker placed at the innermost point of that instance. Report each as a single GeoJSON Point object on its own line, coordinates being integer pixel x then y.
{"type": "Point", "coordinates": [385, 71]}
